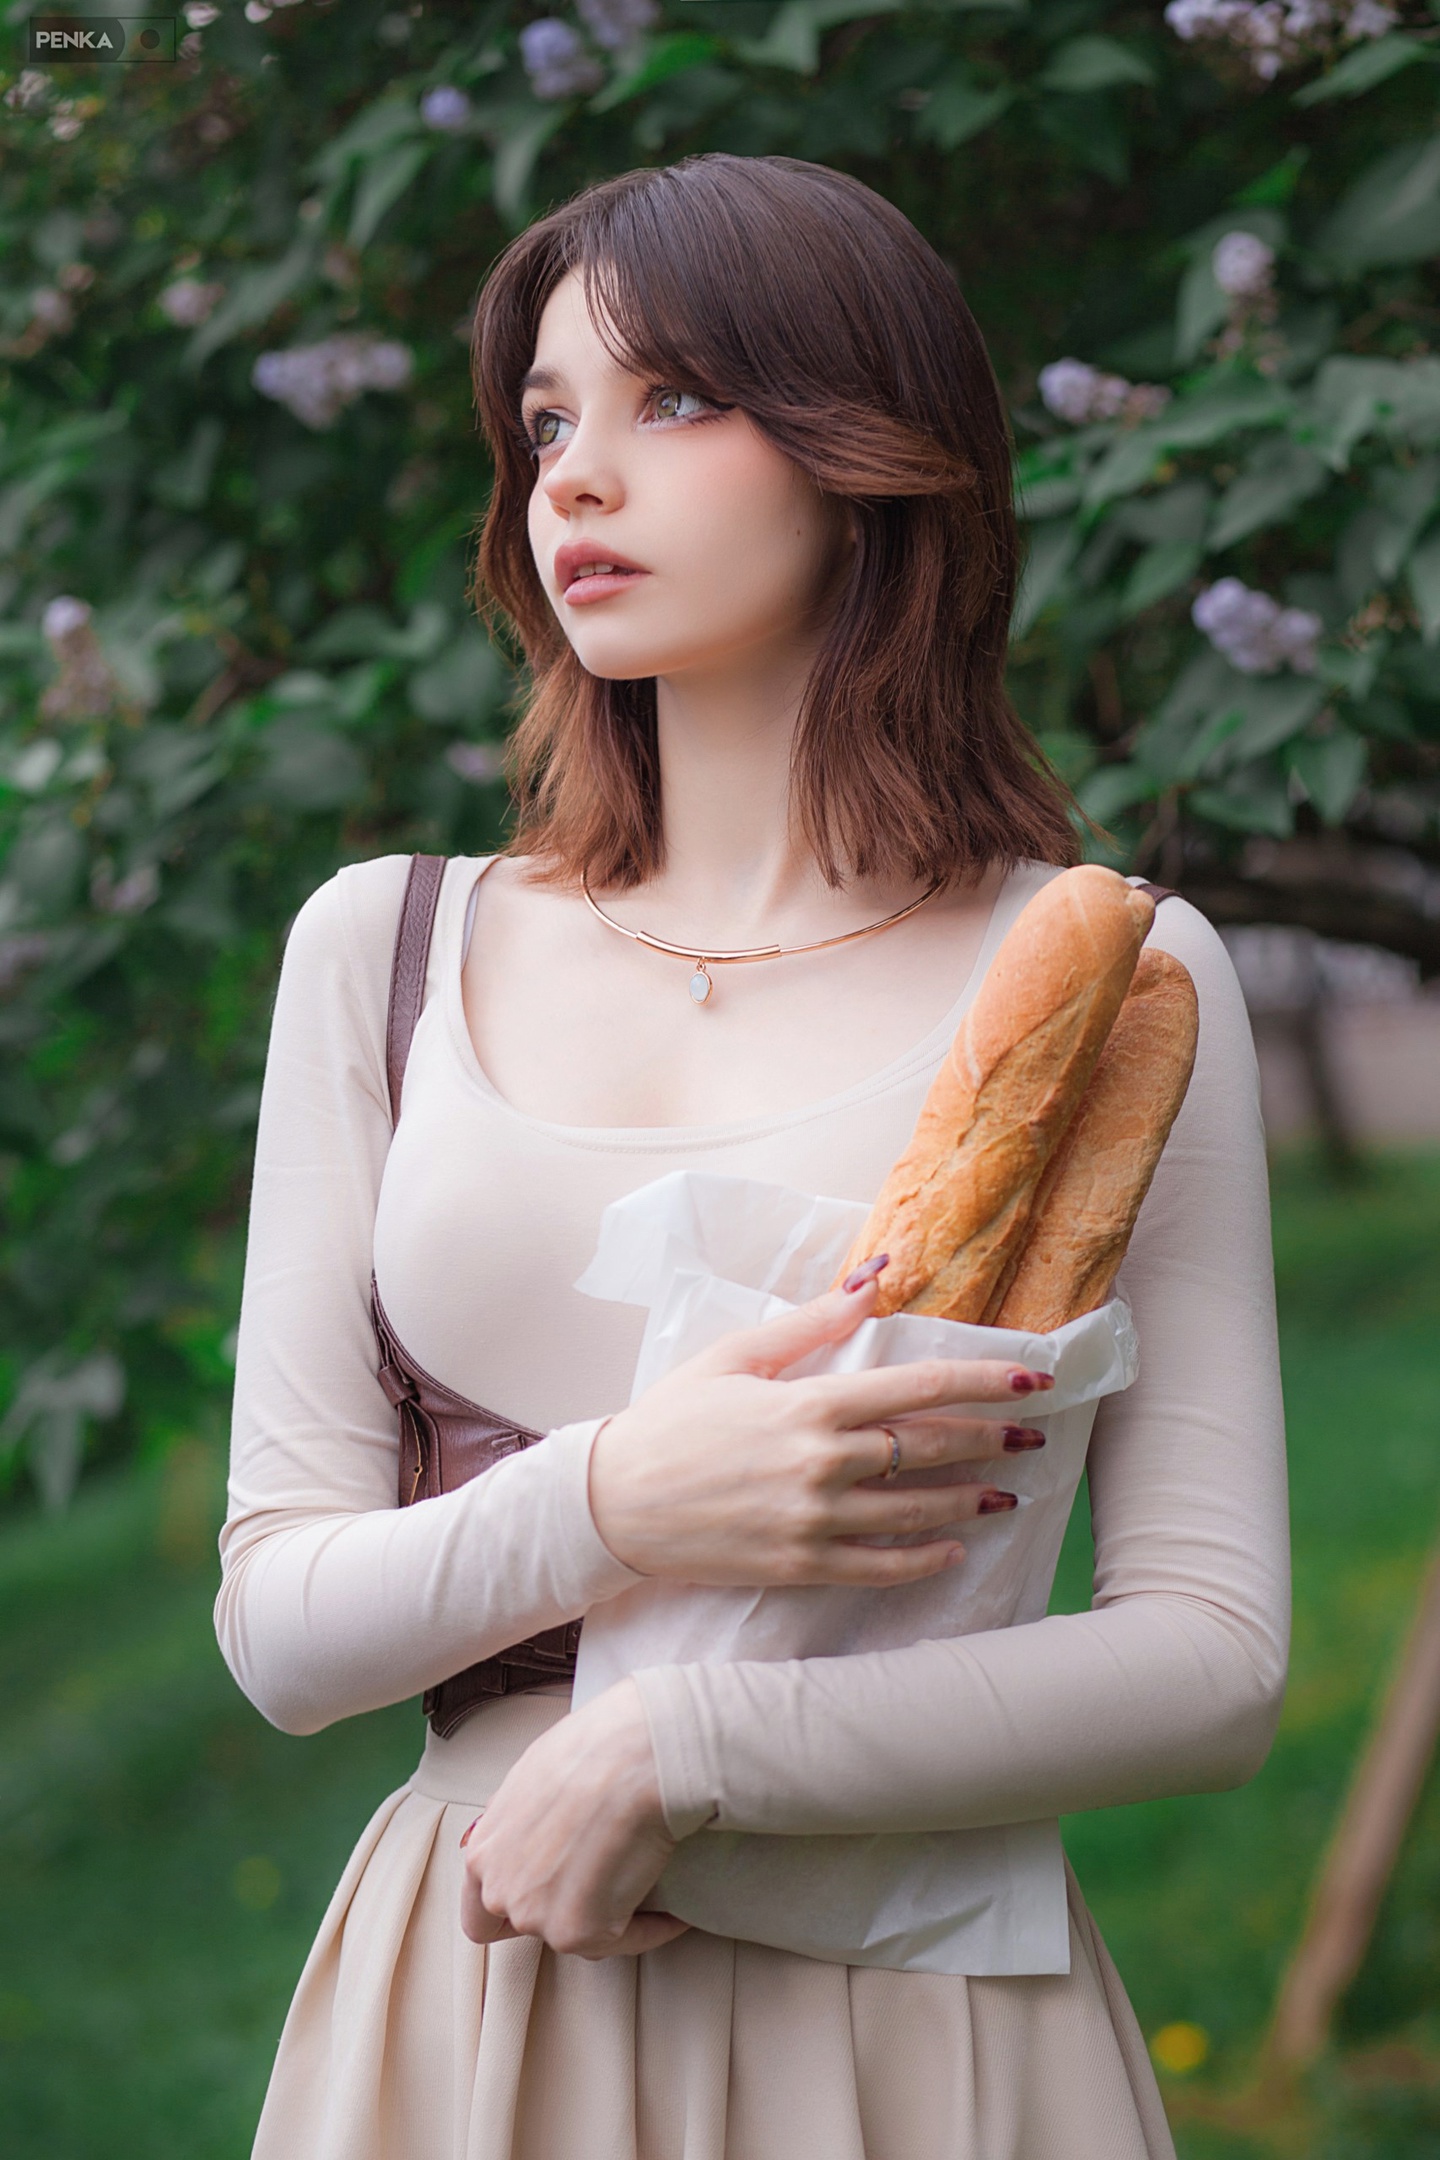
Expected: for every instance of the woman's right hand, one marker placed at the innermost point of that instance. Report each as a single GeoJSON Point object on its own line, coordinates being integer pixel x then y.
{"type": "Point", "coordinates": [724, 1473]}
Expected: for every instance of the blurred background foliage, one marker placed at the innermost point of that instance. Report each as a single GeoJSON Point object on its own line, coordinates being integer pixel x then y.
{"type": "Point", "coordinates": [239, 488]}
{"type": "Point", "coordinates": [239, 483]}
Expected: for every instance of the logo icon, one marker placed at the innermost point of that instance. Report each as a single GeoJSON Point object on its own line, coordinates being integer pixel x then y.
{"type": "Point", "coordinates": [102, 39]}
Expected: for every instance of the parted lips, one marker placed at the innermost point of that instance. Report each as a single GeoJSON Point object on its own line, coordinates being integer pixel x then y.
{"type": "Point", "coordinates": [954, 1212]}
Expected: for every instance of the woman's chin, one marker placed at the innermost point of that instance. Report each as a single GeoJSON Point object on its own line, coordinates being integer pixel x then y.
{"type": "Point", "coordinates": [623, 661]}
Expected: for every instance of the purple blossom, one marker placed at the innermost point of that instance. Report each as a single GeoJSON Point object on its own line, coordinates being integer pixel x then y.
{"type": "Point", "coordinates": [1079, 393]}
{"type": "Point", "coordinates": [477, 762]}
{"type": "Point", "coordinates": [556, 61]}
{"type": "Point", "coordinates": [1275, 34]}
{"type": "Point", "coordinates": [315, 382]}
{"type": "Point", "coordinates": [188, 302]}
{"type": "Point", "coordinates": [614, 24]}
{"type": "Point", "coordinates": [445, 108]}
{"type": "Point", "coordinates": [1255, 633]}
{"type": "Point", "coordinates": [1244, 266]}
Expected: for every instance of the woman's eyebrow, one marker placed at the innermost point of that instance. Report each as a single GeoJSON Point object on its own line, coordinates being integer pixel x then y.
{"type": "Point", "coordinates": [541, 378]}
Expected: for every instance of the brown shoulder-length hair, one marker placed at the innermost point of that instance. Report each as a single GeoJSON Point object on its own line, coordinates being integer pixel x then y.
{"type": "Point", "coordinates": [806, 299]}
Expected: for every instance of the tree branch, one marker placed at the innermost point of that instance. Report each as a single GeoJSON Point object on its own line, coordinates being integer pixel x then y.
{"type": "Point", "coordinates": [1330, 910]}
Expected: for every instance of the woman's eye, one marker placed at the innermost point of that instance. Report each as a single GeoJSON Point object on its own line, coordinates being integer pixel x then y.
{"type": "Point", "coordinates": [543, 429]}
{"type": "Point", "coordinates": [670, 404]}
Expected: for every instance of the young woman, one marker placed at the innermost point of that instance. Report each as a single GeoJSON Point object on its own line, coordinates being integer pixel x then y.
{"type": "Point", "coordinates": [752, 518]}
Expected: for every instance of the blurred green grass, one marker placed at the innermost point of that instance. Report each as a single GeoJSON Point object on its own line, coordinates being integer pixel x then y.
{"type": "Point", "coordinates": [165, 1856]}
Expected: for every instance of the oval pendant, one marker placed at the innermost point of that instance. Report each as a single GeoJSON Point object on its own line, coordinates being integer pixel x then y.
{"type": "Point", "coordinates": [700, 985]}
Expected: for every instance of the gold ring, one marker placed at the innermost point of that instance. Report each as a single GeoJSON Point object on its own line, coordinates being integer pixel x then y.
{"type": "Point", "coordinates": [894, 1452]}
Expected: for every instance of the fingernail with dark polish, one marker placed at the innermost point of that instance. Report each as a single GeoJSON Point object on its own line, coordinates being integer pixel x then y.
{"type": "Point", "coordinates": [997, 1503]}
{"type": "Point", "coordinates": [1025, 1382]}
{"type": "Point", "coordinates": [1020, 1437]}
{"type": "Point", "coordinates": [465, 1834]}
{"type": "Point", "coordinates": [866, 1272]}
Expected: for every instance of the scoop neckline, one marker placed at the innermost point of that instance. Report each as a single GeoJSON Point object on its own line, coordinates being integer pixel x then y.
{"type": "Point", "coordinates": [680, 1139]}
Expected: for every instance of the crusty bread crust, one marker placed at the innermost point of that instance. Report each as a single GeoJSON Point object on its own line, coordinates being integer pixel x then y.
{"type": "Point", "coordinates": [954, 1210]}
{"type": "Point", "coordinates": [1090, 1195]}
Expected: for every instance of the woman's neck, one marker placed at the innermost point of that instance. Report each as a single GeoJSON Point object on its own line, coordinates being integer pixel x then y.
{"type": "Point", "coordinates": [735, 872]}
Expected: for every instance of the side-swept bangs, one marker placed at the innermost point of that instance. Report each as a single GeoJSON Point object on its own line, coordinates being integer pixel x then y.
{"type": "Point", "coordinates": [803, 297]}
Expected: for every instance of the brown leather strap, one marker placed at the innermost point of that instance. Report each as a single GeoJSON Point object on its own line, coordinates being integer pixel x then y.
{"type": "Point", "coordinates": [407, 969]}
{"type": "Point", "coordinates": [1157, 892]}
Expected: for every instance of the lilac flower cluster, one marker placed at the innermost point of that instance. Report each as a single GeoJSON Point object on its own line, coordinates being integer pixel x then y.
{"type": "Point", "coordinates": [30, 91]}
{"type": "Point", "coordinates": [445, 109]}
{"type": "Point", "coordinates": [315, 382]}
{"type": "Point", "coordinates": [1255, 633]}
{"type": "Point", "coordinates": [1244, 267]}
{"type": "Point", "coordinates": [84, 687]}
{"type": "Point", "coordinates": [189, 302]}
{"type": "Point", "coordinates": [1076, 392]}
{"type": "Point", "coordinates": [614, 24]}
{"type": "Point", "coordinates": [556, 60]}
{"type": "Point", "coordinates": [1274, 34]}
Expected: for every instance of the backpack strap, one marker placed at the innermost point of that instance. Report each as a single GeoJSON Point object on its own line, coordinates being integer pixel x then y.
{"type": "Point", "coordinates": [407, 969]}
{"type": "Point", "coordinates": [1157, 892]}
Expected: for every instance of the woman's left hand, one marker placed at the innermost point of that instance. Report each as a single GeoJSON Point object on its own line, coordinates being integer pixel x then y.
{"type": "Point", "coordinates": [574, 1838]}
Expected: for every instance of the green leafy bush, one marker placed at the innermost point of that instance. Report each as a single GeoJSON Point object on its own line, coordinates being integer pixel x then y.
{"type": "Point", "coordinates": [239, 482]}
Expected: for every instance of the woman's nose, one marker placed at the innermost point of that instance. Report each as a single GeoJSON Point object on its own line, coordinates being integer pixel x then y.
{"type": "Point", "coordinates": [583, 475]}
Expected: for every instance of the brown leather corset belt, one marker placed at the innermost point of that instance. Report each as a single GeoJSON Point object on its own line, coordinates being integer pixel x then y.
{"type": "Point", "coordinates": [445, 1440]}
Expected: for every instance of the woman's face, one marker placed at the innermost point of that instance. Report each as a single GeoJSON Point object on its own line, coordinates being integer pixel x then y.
{"type": "Point", "coordinates": [723, 548]}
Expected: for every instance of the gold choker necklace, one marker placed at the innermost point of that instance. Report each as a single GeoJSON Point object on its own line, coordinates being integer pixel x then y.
{"type": "Point", "coordinates": [706, 958]}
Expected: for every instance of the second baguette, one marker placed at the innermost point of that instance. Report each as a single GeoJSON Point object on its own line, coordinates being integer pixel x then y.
{"type": "Point", "coordinates": [955, 1206]}
{"type": "Point", "coordinates": [1090, 1196]}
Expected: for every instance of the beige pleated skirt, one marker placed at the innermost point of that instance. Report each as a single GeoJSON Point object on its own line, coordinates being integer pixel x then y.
{"type": "Point", "coordinates": [407, 2042]}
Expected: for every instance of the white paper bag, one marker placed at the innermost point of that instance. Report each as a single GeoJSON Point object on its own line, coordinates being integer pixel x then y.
{"type": "Point", "coordinates": [707, 1254]}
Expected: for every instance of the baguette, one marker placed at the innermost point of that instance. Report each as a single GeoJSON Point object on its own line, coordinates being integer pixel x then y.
{"type": "Point", "coordinates": [955, 1207]}
{"type": "Point", "coordinates": [1090, 1195]}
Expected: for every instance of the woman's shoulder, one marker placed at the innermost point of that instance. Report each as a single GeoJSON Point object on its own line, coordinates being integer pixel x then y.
{"type": "Point", "coordinates": [350, 919]}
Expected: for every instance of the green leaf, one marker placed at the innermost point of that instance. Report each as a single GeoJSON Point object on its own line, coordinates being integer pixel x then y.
{"type": "Point", "coordinates": [1176, 513]}
{"type": "Point", "coordinates": [1047, 498]}
{"type": "Point", "coordinates": [1407, 496]}
{"type": "Point", "coordinates": [310, 768]}
{"type": "Point", "coordinates": [465, 684]}
{"type": "Point", "coordinates": [382, 184]}
{"type": "Point", "coordinates": [1363, 69]}
{"type": "Point", "coordinates": [1352, 397]}
{"type": "Point", "coordinates": [1189, 424]}
{"type": "Point", "coordinates": [1255, 804]}
{"type": "Point", "coordinates": [1090, 63]}
{"type": "Point", "coordinates": [372, 130]}
{"type": "Point", "coordinates": [793, 38]}
{"type": "Point", "coordinates": [1088, 126]}
{"type": "Point", "coordinates": [518, 147]}
{"type": "Point", "coordinates": [1279, 477]}
{"type": "Point", "coordinates": [254, 297]}
{"type": "Point", "coordinates": [959, 109]}
{"type": "Point", "coordinates": [184, 483]}
{"type": "Point", "coordinates": [1279, 182]}
{"type": "Point", "coordinates": [1052, 550]}
{"type": "Point", "coordinates": [1351, 671]}
{"type": "Point", "coordinates": [1331, 769]}
{"type": "Point", "coordinates": [1272, 709]}
{"type": "Point", "coordinates": [1200, 309]}
{"type": "Point", "coordinates": [1423, 574]}
{"type": "Point", "coordinates": [1392, 214]}
{"type": "Point", "coordinates": [1113, 788]}
{"type": "Point", "coordinates": [1158, 573]}
{"type": "Point", "coordinates": [664, 57]}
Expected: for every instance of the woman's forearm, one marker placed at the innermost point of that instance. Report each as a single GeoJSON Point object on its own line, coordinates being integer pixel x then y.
{"type": "Point", "coordinates": [1077, 1711]}
{"type": "Point", "coordinates": [322, 1615]}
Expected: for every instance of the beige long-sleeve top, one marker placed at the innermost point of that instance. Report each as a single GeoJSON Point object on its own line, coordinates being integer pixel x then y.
{"type": "Point", "coordinates": [478, 1220]}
